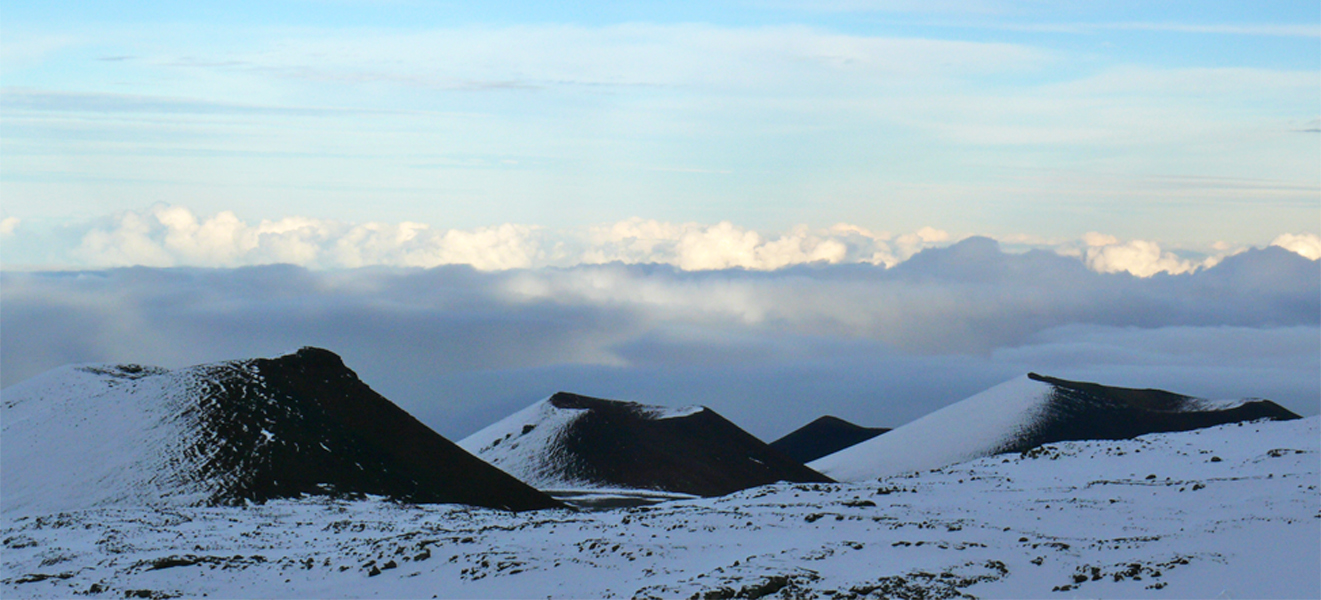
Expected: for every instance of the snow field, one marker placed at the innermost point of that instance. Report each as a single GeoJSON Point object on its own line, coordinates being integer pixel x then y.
{"type": "Point", "coordinates": [1232, 511]}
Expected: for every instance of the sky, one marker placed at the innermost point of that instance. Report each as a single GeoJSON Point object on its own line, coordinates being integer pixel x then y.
{"type": "Point", "coordinates": [1182, 123]}
{"type": "Point", "coordinates": [668, 200]}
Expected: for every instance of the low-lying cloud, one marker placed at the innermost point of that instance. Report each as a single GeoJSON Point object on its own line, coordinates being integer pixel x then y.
{"type": "Point", "coordinates": [173, 236]}
{"type": "Point", "coordinates": [771, 349]}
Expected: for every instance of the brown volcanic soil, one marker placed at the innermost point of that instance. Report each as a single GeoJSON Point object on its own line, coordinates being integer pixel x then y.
{"type": "Point", "coordinates": [826, 435]}
{"type": "Point", "coordinates": [305, 424]}
{"type": "Point", "coordinates": [620, 444]}
{"type": "Point", "coordinates": [1088, 411]}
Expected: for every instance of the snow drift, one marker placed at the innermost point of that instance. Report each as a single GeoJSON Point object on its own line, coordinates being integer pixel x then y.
{"type": "Point", "coordinates": [1027, 412]}
{"type": "Point", "coordinates": [568, 442]}
{"type": "Point", "coordinates": [228, 433]}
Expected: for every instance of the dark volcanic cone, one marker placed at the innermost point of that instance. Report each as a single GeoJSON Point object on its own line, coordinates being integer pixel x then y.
{"type": "Point", "coordinates": [826, 435]}
{"type": "Point", "coordinates": [1030, 411]}
{"type": "Point", "coordinates": [231, 432]}
{"type": "Point", "coordinates": [569, 441]}
{"type": "Point", "coordinates": [1079, 410]}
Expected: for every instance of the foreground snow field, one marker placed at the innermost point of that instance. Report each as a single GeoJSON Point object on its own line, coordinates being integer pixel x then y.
{"type": "Point", "coordinates": [1233, 511]}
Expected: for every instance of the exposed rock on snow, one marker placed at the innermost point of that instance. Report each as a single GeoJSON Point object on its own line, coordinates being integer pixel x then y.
{"type": "Point", "coordinates": [227, 433]}
{"type": "Point", "coordinates": [823, 436]}
{"type": "Point", "coordinates": [1029, 411]}
{"type": "Point", "coordinates": [569, 442]}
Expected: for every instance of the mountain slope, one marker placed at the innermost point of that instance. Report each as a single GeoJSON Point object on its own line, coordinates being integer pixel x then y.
{"type": "Point", "coordinates": [227, 433]}
{"type": "Point", "coordinates": [1026, 412]}
{"type": "Point", "coordinates": [826, 435]}
{"type": "Point", "coordinates": [569, 441]}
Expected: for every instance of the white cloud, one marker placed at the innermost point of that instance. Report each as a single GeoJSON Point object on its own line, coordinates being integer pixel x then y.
{"type": "Point", "coordinates": [172, 236]}
{"type": "Point", "coordinates": [1305, 244]}
{"type": "Point", "coordinates": [1143, 258]}
{"type": "Point", "coordinates": [698, 247]}
{"type": "Point", "coordinates": [166, 235]}
{"type": "Point", "coordinates": [8, 225]}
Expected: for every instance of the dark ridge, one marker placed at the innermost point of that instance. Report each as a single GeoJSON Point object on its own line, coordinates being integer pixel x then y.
{"type": "Point", "coordinates": [1080, 410]}
{"type": "Point", "coordinates": [826, 435]}
{"type": "Point", "coordinates": [305, 424]}
{"type": "Point", "coordinates": [621, 444]}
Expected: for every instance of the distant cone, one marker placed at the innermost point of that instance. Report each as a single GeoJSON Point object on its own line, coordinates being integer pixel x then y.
{"type": "Point", "coordinates": [1030, 411]}
{"type": "Point", "coordinates": [569, 441]}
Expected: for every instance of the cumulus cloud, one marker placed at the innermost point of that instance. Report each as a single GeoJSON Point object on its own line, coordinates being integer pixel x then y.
{"type": "Point", "coordinates": [169, 235]}
{"type": "Point", "coordinates": [696, 247]}
{"type": "Point", "coordinates": [1304, 244]}
{"type": "Point", "coordinates": [165, 236]}
{"type": "Point", "coordinates": [1107, 254]}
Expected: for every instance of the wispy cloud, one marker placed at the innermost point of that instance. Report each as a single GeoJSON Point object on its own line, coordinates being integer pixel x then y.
{"type": "Point", "coordinates": [1257, 29]}
{"type": "Point", "coordinates": [18, 99]}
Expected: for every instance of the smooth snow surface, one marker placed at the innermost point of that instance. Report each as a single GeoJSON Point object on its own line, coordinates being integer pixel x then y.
{"type": "Point", "coordinates": [1225, 512]}
{"type": "Point", "coordinates": [132, 437]}
{"type": "Point", "coordinates": [977, 426]}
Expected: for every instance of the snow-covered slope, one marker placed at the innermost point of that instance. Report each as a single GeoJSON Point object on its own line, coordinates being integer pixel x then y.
{"type": "Point", "coordinates": [224, 433]}
{"type": "Point", "coordinates": [82, 436]}
{"type": "Point", "coordinates": [1029, 411]}
{"type": "Point", "coordinates": [572, 442]}
{"type": "Point", "coordinates": [1226, 512]}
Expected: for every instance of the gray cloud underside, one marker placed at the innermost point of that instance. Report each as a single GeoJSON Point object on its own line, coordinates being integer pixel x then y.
{"type": "Point", "coordinates": [771, 350]}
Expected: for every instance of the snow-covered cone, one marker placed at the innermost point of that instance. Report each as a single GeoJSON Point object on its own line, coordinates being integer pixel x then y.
{"type": "Point", "coordinates": [568, 442]}
{"type": "Point", "coordinates": [227, 433]}
{"type": "Point", "coordinates": [1029, 411]}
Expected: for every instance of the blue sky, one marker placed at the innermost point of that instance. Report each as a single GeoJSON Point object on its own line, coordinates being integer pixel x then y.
{"type": "Point", "coordinates": [741, 205]}
{"type": "Point", "coordinates": [1185, 123]}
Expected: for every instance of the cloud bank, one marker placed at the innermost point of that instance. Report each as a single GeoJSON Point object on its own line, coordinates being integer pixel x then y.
{"type": "Point", "coordinates": [171, 236]}
{"type": "Point", "coordinates": [771, 349]}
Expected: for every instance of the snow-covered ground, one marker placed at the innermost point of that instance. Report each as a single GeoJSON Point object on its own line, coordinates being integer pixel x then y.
{"type": "Point", "coordinates": [1233, 512]}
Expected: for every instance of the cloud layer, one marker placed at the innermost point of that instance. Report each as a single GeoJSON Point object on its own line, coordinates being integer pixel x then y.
{"type": "Point", "coordinates": [170, 235]}
{"type": "Point", "coordinates": [771, 349]}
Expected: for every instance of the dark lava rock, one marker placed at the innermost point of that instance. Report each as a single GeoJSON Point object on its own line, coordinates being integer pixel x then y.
{"type": "Point", "coordinates": [331, 433]}
{"type": "Point", "coordinates": [823, 436]}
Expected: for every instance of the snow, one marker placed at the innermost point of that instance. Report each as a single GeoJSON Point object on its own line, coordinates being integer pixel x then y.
{"type": "Point", "coordinates": [967, 429]}
{"type": "Point", "coordinates": [1230, 511]}
{"type": "Point", "coordinates": [529, 454]}
{"type": "Point", "coordinates": [128, 439]}
{"type": "Point", "coordinates": [663, 412]}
